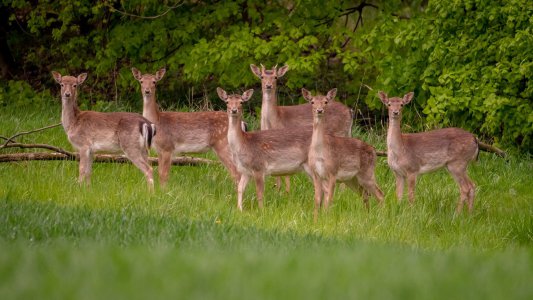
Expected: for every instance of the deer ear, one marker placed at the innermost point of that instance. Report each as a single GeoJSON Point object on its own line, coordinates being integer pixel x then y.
{"type": "Point", "coordinates": [331, 94]}
{"type": "Point", "coordinates": [136, 73]}
{"type": "Point", "coordinates": [159, 74]}
{"type": "Point", "coordinates": [384, 98]}
{"type": "Point", "coordinates": [222, 94]}
{"type": "Point", "coordinates": [255, 70]}
{"type": "Point", "coordinates": [56, 76]}
{"type": "Point", "coordinates": [307, 95]}
{"type": "Point", "coordinates": [247, 95]}
{"type": "Point", "coordinates": [82, 77]}
{"type": "Point", "coordinates": [281, 71]}
{"type": "Point", "coordinates": [408, 97]}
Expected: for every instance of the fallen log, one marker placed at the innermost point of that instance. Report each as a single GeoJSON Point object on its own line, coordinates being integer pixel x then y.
{"type": "Point", "coordinates": [99, 158]}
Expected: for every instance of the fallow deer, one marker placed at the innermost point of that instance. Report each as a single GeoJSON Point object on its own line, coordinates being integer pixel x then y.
{"type": "Point", "coordinates": [274, 116]}
{"type": "Point", "coordinates": [183, 132]}
{"type": "Point", "coordinates": [333, 158]}
{"type": "Point", "coordinates": [266, 152]}
{"type": "Point", "coordinates": [409, 155]}
{"type": "Point", "coordinates": [90, 131]}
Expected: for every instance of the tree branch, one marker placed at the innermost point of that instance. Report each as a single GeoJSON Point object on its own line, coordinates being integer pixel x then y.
{"type": "Point", "coordinates": [9, 140]}
{"type": "Point", "coordinates": [143, 17]}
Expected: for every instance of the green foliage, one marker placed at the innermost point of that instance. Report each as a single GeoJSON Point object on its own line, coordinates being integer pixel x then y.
{"type": "Point", "coordinates": [469, 62]}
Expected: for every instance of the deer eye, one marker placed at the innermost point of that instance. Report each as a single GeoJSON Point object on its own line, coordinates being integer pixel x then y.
{"type": "Point", "coordinates": [74, 85]}
{"type": "Point", "coordinates": [388, 104]}
{"type": "Point", "coordinates": [312, 101]}
{"type": "Point", "coordinates": [153, 82]}
{"type": "Point", "coordinates": [326, 102]}
{"type": "Point", "coordinates": [141, 82]}
{"type": "Point", "coordinates": [261, 77]}
{"type": "Point", "coordinates": [62, 85]}
{"type": "Point", "coordinates": [276, 77]}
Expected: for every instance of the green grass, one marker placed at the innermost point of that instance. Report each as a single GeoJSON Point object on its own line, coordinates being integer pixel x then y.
{"type": "Point", "coordinates": [117, 240]}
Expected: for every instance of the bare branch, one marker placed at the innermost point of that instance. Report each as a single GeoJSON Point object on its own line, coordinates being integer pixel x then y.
{"type": "Point", "coordinates": [9, 140]}
{"type": "Point", "coordinates": [39, 146]}
{"type": "Point", "coordinates": [143, 17]}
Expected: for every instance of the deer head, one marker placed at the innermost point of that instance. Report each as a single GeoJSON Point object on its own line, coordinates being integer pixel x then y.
{"type": "Point", "coordinates": [148, 81]}
{"type": "Point", "coordinates": [319, 102]}
{"type": "Point", "coordinates": [234, 102]}
{"type": "Point", "coordinates": [269, 77]}
{"type": "Point", "coordinates": [395, 104]}
{"type": "Point", "coordinates": [69, 84]}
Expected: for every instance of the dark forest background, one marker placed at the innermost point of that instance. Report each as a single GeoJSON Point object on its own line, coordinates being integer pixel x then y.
{"type": "Point", "coordinates": [469, 62]}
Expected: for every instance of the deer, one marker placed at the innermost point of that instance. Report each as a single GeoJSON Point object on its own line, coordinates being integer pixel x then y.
{"type": "Point", "coordinates": [409, 155]}
{"type": "Point", "coordinates": [265, 152]}
{"type": "Point", "coordinates": [274, 116]}
{"type": "Point", "coordinates": [183, 132]}
{"type": "Point", "coordinates": [90, 132]}
{"type": "Point", "coordinates": [336, 158]}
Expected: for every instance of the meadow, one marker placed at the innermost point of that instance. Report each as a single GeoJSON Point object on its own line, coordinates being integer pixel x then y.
{"type": "Point", "coordinates": [116, 240]}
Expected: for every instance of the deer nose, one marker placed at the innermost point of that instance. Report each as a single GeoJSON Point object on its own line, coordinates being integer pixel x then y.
{"type": "Point", "coordinates": [67, 94]}
{"type": "Point", "coordinates": [147, 92]}
{"type": "Point", "coordinates": [268, 86]}
{"type": "Point", "coordinates": [395, 113]}
{"type": "Point", "coordinates": [233, 110]}
{"type": "Point", "coordinates": [320, 110]}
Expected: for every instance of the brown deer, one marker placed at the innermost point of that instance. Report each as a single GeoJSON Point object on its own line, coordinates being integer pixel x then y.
{"type": "Point", "coordinates": [90, 131]}
{"type": "Point", "coordinates": [280, 117]}
{"type": "Point", "coordinates": [183, 132]}
{"type": "Point", "coordinates": [266, 152]}
{"type": "Point", "coordinates": [409, 155]}
{"type": "Point", "coordinates": [333, 158]}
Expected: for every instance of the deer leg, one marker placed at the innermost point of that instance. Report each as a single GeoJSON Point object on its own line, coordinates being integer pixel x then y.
{"type": "Point", "coordinates": [466, 186]}
{"type": "Point", "coordinates": [400, 183]}
{"type": "Point", "coordinates": [243, 182]}
{"type": "Point", "coordinates": [318, 193]}
{"type": "Point", "coordinates": [371, 187]}
{"type": "Point", "coordinates": [356, 187]}
{"type": "Point", "coordinates": [223, 153]}
{"type": "Point", "coordinates": [140, 159]}
{"type": "Point", "coordinates": [411, 184]}
{"type": "Point", "coordinates": [164, 159]}
{"type": "Point", "coordinates": [85, 167]}
{"type": "Point", "coordinates": [329, 190]}
{"type": "Point", "coordinates": [287, 184]}
{"type": "Point", "coordinates": [259, 188]}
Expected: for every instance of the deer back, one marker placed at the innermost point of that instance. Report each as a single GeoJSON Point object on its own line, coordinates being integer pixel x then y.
{"type": "Point", "coordinates": [338, 114]}
{"type": "Point", "coordinates": [106, 131]}
{"type": "Point", "coordinates": [274, 151]}
{"type": "Point", "coordinates": [428, 151]}
{"type": "Point", "coordinates": [190, 131]}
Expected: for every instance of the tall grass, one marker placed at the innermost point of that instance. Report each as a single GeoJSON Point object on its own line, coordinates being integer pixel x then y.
{"type": "Point", "coordinates": [115, 239]}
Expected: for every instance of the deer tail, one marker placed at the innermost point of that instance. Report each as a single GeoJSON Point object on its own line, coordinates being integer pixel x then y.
{"type": "Point", "coordinates": [148, 132]}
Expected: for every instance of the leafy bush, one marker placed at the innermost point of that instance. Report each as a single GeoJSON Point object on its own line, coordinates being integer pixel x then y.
{"type": "Point", "coordinates": [469, 62]}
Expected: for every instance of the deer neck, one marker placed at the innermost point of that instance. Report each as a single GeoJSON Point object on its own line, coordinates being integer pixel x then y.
{"type": "Point", "coordinates": [394, 136]}
{"type": "Point", "coordinates": [317, 139]}
{"type": "Point", "coordinates": [69, 112]}
{"type": "Point", "coordinates": [150, 108]}
{"type": "Point", "coordinates": [235, 134]}
{"type": "Point", "coordinates": [269, 114]}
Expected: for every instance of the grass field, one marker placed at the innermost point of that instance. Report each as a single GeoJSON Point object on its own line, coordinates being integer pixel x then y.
{"type": "Point", "coordinates": [115, 240]}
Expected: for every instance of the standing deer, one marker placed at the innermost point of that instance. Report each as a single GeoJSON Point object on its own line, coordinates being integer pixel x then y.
{"type": "Point", "coordinates": [280, 117]}
{"type": "Point", "coordinates": [409, 155]}
{"type": "Point", "coordinates": [90, 131]}
{"type": "Point", "coordinates": [333, 158]}
{"type": "Point", "coordinates": [261, 153]}
{"type": "Point", "coordinates": [183, 132]}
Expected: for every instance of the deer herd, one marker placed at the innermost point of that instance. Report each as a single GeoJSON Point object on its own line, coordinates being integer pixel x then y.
{"type": "Point", "coordinates": [314, 138]}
